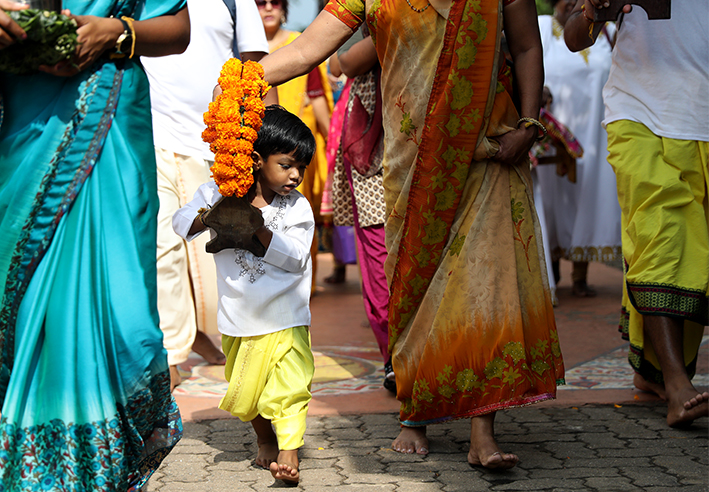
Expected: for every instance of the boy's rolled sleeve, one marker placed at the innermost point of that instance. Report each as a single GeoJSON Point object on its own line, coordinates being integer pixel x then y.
{"type": "Point", "coordinates": [182, 220]}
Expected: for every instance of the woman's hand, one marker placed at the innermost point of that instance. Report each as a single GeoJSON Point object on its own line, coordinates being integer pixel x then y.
{"type": "Point", "coordinates": [601, 4]}
{"type": "Point", "coordinates": [9, 30]}
{"type": "Point", "coordinates": [515, 145]}
{"type": "Point", "coordinates": [95, 36]}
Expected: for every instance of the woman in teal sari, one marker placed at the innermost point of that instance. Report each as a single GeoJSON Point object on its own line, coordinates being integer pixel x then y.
{"type": "Point", "coordinates": [84, 381]}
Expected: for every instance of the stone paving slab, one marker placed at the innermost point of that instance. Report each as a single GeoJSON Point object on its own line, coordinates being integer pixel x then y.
{"type": "Point", "coordinates": [590, 448]}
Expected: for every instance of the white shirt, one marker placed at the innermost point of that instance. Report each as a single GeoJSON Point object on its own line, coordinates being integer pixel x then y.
{"type": "Point", "coordinates": [660, 72]}
{"type": "Point", "coordinates": [258, 296]}
{"type": "Point", "coordinates": [181, 85]}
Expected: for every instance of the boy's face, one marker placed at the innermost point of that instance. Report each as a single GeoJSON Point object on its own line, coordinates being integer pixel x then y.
{"type": "Point", "coordinates": [281, 173]}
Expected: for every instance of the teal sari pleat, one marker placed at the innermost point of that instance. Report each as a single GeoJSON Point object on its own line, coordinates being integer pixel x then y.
{"type": "Point", "coordinates": [84, 384]}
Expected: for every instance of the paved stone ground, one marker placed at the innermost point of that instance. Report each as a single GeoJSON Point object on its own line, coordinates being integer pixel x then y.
{"type": "Point", "coordinates": [588, 448]}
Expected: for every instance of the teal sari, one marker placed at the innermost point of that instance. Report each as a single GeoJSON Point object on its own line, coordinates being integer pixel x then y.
{"type": "Point", "coordinates": [84, 381]}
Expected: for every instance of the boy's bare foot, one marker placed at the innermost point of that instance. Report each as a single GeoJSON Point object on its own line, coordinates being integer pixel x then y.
{"type": "Point", "coordinates": [286, 467]}
{"type": "Point", "coordinates": [203, 346]}
{"type": "Point", "coordinates": [687, 406]}
{"type": "Point", "coordinates": [175, 377]}
{"type": "Point", "coordinates": [649, 387]}
{"type": "Point", "coordinates": [411, 440]}
{"type": "Point", "coordinates": [267, 442]}
{"type": "Point", "coordinates": [484, 450]}
{"type": "Point", "coordinates": [267, 453]}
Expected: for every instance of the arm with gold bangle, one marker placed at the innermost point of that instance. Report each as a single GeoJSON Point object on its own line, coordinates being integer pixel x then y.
{"type": "Point", "coordinates": [581, 31]}
{"type": "Point", "coordinates": [125, 37]}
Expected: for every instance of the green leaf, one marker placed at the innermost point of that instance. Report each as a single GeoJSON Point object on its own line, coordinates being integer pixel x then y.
{"type": "Point", "coordinates": [51, 38]}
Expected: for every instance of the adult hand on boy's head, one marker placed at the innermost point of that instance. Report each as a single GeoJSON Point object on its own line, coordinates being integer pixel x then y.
{"type": "Point", "coordinates": [235, 221]}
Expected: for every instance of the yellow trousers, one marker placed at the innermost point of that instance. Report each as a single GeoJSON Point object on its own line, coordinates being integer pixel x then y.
{"type": "Point", "coordinates": [270, 375]}
{"type": "Point", "coordinates": [662, 190]}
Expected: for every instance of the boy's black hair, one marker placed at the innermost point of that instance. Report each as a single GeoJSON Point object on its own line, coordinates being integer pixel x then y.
{"type": "Point", "coordinates": [283, 132]}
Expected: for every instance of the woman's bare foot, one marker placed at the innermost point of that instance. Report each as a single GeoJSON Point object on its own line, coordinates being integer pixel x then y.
{"type": "Point", "coordinates": [484, 450]}
{"type": "Point", "coordinates": [686, 406]}
{"type": "Point", "coordinates": [175, 378]}
{"type": "Point", "coordinates": [411, 440]}
{"type": "Point", "coordinates": [337, 276]}
{"type": "Point", "coordinates": [203, 346]}
{"type": "Point", "coordinates": [649, 387]}
{"type": "Point", "coordinates": [286, 467]}
{"type": "Point", "coordinates": [582, 289]}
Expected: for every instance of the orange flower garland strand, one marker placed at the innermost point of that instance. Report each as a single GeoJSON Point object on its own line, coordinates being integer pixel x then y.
{"type": "Point", "coordinates": [233, 120]}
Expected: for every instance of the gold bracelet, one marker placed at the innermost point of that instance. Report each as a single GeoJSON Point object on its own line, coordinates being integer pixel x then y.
{"type": "Point", "coordinates": [531, 121]}
{"type": "Point", "coordinates": [593, 22]}
{"type": "Point", "coordinates": [132, 30]}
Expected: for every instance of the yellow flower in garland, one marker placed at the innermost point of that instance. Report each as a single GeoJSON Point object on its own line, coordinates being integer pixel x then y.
{"type": "Point", "coordinates": [233, 120]}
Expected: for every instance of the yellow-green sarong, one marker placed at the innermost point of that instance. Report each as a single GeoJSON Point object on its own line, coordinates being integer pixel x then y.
{"type": "Point", "coordinates": [662, 190]}
{"type": "Point", "coordinates": [270, 375]}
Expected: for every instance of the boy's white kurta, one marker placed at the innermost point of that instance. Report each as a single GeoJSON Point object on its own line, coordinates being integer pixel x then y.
{"type": "Point", "coordinates": [258, 296]}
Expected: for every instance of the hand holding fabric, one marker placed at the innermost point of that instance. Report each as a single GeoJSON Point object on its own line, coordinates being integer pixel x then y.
{"type": "Point", "coordinates": [515, 145]}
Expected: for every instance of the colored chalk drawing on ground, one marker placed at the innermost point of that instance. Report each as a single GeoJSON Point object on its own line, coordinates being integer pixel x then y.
{"type": "Point", "coordinates": [347, 370]}
{"type": "Point", "coordinates": [612, 371]}
{"type": "Point", "coordinates": [338, 371]}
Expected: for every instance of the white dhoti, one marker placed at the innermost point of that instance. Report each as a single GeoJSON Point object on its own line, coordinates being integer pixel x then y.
{"type": "Point", "coordinates": [187, 284]}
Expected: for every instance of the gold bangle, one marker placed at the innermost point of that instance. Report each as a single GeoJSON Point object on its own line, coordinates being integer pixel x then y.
{"type": "Point", "coordinates": [583, 12]}
{"type": "Point", "coordinates": [531, 121]}
{"type": "Point", "coordinates": [132, 31]}
{"type": "Point", "coordinates": [593, 22]}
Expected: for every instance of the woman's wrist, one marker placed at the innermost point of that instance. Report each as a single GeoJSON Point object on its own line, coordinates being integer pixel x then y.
{"type": "Point", "coordinates": [587, 12]}
{"type": "Point", "coordinates": [533, 126]}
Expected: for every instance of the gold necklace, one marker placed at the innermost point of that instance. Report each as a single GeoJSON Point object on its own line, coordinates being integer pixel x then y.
{"type": "Point", "coordinates": [428, 4]}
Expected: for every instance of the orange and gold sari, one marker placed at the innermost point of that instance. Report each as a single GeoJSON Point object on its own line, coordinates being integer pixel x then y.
{"type": "Point", "coordinates": [471, 324]}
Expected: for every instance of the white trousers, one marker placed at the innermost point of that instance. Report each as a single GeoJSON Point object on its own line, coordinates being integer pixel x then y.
{"type": "Point", "coordinates": [187, 283]}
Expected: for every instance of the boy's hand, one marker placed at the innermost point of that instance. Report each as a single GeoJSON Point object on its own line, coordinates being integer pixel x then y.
{"type": "Point", "coordinates": [235, 221]}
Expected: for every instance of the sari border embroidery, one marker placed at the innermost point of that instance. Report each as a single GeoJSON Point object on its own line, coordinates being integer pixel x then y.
{"type": "Point", "coordinates": [515, 403]}
{"type": "Point", "coordinates": [141, 433]}
{"type": "Point", "coordinates": [669, 300]}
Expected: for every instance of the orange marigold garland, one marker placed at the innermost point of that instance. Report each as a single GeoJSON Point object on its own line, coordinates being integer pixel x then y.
{"type": "Point", "coordinates": [233, 120]}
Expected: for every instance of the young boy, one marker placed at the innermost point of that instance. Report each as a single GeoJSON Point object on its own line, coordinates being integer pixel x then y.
{"type": "Point", "coordinates": [263, 311]}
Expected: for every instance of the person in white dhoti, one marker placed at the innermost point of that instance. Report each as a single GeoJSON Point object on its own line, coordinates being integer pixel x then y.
{"type": "Point", "coordinates": [582, 218]}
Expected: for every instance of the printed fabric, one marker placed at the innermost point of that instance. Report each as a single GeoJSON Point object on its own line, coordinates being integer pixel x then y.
{"type": "Point", "coordinates": [471, 325]}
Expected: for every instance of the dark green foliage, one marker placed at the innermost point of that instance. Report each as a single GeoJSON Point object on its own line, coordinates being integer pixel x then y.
{"type": "Point", "coordinates": [544, 7]}
{"type": "Point", "coordinates": [51, 38]}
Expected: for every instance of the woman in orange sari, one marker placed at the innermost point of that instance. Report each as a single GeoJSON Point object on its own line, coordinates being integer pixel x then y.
{"type": "Point", "coordinates": [471, 322]}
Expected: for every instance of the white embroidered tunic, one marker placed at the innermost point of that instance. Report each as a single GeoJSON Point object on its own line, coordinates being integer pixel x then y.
{"type": "Point", "coordinates": [258, 296]}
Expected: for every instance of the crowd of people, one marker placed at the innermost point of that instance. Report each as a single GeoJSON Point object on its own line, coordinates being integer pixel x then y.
{"type": "Point", "coordinates": [107, 203]}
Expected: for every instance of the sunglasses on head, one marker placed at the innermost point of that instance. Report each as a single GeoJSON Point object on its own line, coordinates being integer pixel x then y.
{"type": "Point", "coordinates": [262, 3]}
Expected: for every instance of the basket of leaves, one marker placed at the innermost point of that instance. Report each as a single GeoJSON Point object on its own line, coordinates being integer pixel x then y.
{"type": "Point", "coordinates": [51, 38]}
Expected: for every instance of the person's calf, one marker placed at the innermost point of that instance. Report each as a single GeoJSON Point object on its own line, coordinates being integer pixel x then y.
{"type": "Point", "coordinates": [267, 442]}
